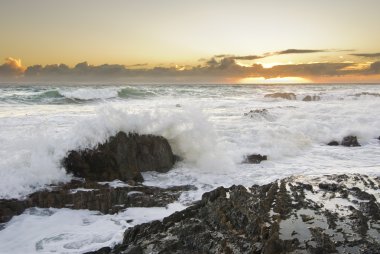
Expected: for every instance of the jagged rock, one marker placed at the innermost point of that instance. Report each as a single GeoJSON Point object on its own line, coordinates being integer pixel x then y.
{"type": "Point", "coordinates": [122, 157]}
{"type": "Point", "coordinates": [350, 141]}
{"type": "Point", "coordinates": [333, 143]}
{"type": "Point", "coordinates": [311, 98]}
{"type": "Point", "coordinates": [287, 96]}
{"type": "Point", "coordinates": [255, 158]}
{"type": "Point", "coordinates": [280, 217]}
{"type": "Point", "coordinates": [93, 196]}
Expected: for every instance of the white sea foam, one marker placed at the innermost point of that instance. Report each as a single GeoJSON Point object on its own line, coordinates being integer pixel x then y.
{"type": "Point", "coordinates": [72, 231]}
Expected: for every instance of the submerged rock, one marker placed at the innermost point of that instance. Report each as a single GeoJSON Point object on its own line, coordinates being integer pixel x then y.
{"type": "Point", "coordinates": [122, 157]}
{"type": "Point", "coordinates": [255, 158]}
{"type": "Point", "coordinates": [333, 143]}
{"type": "Point", "coordinates": [93, 196]}
{"type": "Point", "coordinates": [350, 141]}
{"type": "Point", "coordinates": [287, 96]}
{"type": "Point", "coordinates": [331, 215]}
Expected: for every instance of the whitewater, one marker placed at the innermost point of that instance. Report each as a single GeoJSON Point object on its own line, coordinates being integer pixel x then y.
{"type": "Point", "coordinates": [212, 127]}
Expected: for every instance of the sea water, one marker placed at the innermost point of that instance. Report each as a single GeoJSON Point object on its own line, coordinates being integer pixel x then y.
{"type": "Point", "coordinates": [212, 127]}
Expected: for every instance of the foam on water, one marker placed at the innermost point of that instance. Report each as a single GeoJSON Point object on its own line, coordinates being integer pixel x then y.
{"type": "Point", "coordinates": [66, 231]}
{"type": "Point", "coordinates": [206, 125]}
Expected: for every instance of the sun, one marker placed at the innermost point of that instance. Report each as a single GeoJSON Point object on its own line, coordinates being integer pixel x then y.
{"type": "Point", "coordinates": [278, 80]}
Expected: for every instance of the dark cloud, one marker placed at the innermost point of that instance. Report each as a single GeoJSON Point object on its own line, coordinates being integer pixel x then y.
{"type": "Point", "coordinates": [307, 70]}
{"type": "Point", "coordinates": [137, 65]}
{"type": "Point", "coordinates": [249, 57]}
{"type": "Point", "coordinates": [367, 55]}
{"type": "Point", "coordinates": [374, 68]}
{"type": "Point", "coordinates": [11, 67]}
{"type": "Point", "coordinates": [299, 51]}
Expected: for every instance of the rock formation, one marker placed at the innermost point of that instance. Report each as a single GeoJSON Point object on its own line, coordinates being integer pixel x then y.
{"type": "Point", "coordinates": [350, 141]}
{"type": "Point", "coordinates": [346, 141]}
{"type": "Point", "coordinates": [287, 96]}
{"type": "Point", "coordinates": [93, 196]}
{"type": "Point", "coordinates": [122, 157]}
{"type": "Point", "coordinates": [255, 158]}
{"type": "Point", "coordinates": [328, 214]}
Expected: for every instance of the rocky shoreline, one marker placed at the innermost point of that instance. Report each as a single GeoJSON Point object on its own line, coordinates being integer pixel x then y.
{"type": "Point", "coordinates": [299, 214]}
{"type": "Point", "coordinates": [322, 214]}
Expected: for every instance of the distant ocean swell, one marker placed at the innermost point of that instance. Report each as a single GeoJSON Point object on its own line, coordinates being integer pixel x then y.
{"type": "Point", "coordinates": [72, 95]}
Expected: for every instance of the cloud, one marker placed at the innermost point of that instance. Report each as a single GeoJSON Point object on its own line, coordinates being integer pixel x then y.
{"type": "Point", "coordinates": [307, 70]}
{"type": "Point", "coordinates": [137, 65]}
{"type": "Point", "coordinates": [367, 54]}
{"type": "Point", "coordinates": [11, 67]}
{"type": "Point", "coordinates": [214, 69]}
{"type": "Point", "coordinates": [299, 51]}
{"type": "Point", "coordinates": [249, 57]}
{"type": "Point", "coordinates": [374, 68]}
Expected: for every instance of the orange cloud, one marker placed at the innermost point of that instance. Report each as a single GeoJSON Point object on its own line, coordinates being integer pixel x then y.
{"type": "Point", "coordinates": [11, 67]}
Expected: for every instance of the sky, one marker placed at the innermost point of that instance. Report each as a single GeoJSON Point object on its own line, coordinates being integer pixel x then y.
{"type": "Point", "coordinates": [214, 40]}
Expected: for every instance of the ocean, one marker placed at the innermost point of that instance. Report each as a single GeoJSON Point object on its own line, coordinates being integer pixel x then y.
{"type": "Point", "coordinates": [212, 127]}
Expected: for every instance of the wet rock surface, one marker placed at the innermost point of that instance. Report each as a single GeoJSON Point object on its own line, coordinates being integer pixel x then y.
{"type": "Point", "coordinates": [326, 214]}
{"type": "Point", "coordinates": [349, 141]}
{"type": "Point", "coordinates": [123, 156]}
{"type": "Point", "coordinates": [255, 158]}
{"type": "Point", "coordinates": [93, 196]}
{"type": "Point", "coordinates": [333, 143]}
{"type": "Point", "coordinates": [287, 96]}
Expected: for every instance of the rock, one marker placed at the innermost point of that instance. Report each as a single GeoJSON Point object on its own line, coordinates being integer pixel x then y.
{"type": "Point", "coordinates": [122, 157]}
{"type": "Point", "coordinates": [255, 158]}
{"type": "Point", "coordinates": [287, 96]}
{"type": "Point", "coordinates": [93, 196]}
{"type": "Point", "coordinates": [280, 217]}
{"type": "Point", "coordinates": [10, 208]}
{"type": "Point", "coordinates": [350, 141]}
{"type": "Point", "coordinates": [261, 112]}
{"type": "Point", "coordinates": [311, 98]}
{"type": "Point", "coordinates": [333, 143]}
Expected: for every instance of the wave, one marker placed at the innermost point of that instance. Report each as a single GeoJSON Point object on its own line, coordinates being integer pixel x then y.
{"type": "Point", "coordinates": [73, 95]}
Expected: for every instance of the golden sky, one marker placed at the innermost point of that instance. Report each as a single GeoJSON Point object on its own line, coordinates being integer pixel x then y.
{"type": "Point", "coordinates": [180, 35]}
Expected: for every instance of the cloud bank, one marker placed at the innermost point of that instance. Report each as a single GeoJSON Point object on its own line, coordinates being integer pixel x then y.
{"type": "Point", "coordinates": [218, 68]}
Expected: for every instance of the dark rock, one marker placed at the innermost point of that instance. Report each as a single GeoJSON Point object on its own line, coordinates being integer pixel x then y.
{"type": "Point", "coordinates": [281, 217]}
{"type": "Point", "coordinates": [255, 158]}
{"type": "Point", "coordinates": [93, 196]}
{"type": "Point", "coordinates": [328, 186]}
{"type": "Point", "coordinates": [104, 250]}
{"type": "Point", "coordinates": [333, 143]}
{"type": "Point", "coordinates": [311, 98]}
{"type": "Point", "coordinates": [10, 208]}
{"type": "Point", "coordinates": [350, 141]}
{"type": "Point", "coordinates": [257, 112]}
{"type": "Point", "coordinates": [287, 96]}
{"type": "Point", "coordinates": [122, 157]}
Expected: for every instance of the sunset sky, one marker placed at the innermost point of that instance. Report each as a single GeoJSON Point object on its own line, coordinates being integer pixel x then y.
{"type": "Point", "coordinates": [224, 41]}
